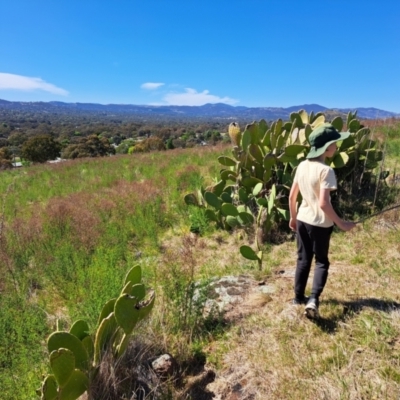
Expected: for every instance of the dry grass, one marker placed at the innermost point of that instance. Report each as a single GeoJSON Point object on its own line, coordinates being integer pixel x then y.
{"type": "Point", "coordinates": [352, 352]}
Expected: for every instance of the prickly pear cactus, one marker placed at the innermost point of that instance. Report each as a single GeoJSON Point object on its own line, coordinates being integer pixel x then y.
{"type": "Point", "coordinates": [259, 173]}
{"type": "Point", "coordinates": [76, 355]}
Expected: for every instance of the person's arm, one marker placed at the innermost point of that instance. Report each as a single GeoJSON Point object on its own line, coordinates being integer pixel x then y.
{"type": "Point", "coordinates": [294, 192]}
{"type": "Point", "coordinates": [326, 207]}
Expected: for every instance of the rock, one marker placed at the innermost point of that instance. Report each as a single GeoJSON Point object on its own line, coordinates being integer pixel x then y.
{"type": "Point", "coordinates": [164, 366]}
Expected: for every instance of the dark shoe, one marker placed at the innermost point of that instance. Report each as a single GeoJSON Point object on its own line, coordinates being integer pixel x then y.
{"type": "Point", "coordinates": [298, 301]}
{"type": "Point", "coordinates": [311, 310]}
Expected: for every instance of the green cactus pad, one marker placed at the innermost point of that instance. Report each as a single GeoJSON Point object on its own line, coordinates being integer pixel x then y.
{"type": "Point", "coordinates": [347, 143]}
{"type": "Point", "coordinates": [228, 175]}
{"type": "Point", "coordinates": [246, 140]}
{"type": "Point", "coordinates": [191, 200]}
{"type": "Point", "coordinates": [226, 197]}
{"type": "Point", "coordinates": [262, 127]}
{"type": "Point", "coordinates": [127, 288]}
{"type": "Point", "coordinates": [49, 388]}
{"type": "Point", "coordinates": [294, 149]}
{"type": "Point", "coordinates": [339, 160]}
{"type": "Point", "coordinates": [212, 200]}
{"type": "Point", "coordinates": [337, 122]}
{"type": "Point", "coordinates": [285, 213]}
{"type": "Point", "coordinates": [66, 340]}
{"type": "Point", "coordinates": [89, 346]}
{"type": "Point", "coordinates": [134, 275]}
{"type": "Point", "coordinates": [76, 386]}
{"type": "Point", "coordinates": [263, 202]}
{"type": "Point", "coordinates": [226, 161]}
{"type": "Point", "coordinates": [62, 362]}
{"type": "Point", "coordinates": [104, 333]}
{"type": "Point", "coordinates": [232, 221]}
{"type": "Point", "coordinates": [122, 346]}
{"type": "Point", "coordinates": [144, 310]}
{"type": "Point", "coordinates": [219, 187]}
{"type": "Point", "coordinates": [138, 291]}
{"type": "Point", "coordinates": [257, 189]}
{"type": "Point", "coordinates": [269, 160]}
{"type": "Point", "coordinates": [318, 121]}
{"type": "Point", "coordinates": [249, 182]}
{"type": "Point", "coordinates": [256, 152]}
{"type": "Point", "coordinates": [245, 218]}
{"type": "Point", "coordinates": [304, 117]}
{"type": "Point", "coordinates": [249, 253]}
{"type": "Point", "coordinates": [242, 208]}
{"type": "Point", "coordinates": [243, 196]}
{"type": "Point", "coordinates": [266, 141]}
{"type": "Point", "coordinates": [107, 309]}
{"type": "Point", "coordinates": [80, 329]}
{"type": "Point", "coordinates": [126, 314]}
{"type": "Point", "coordinates": [354, 125]}
{"type": "Point", "coordinates": [229, 209]}
{"type": "Point", "coordinates": [210, 215]}
{"type": "Point", "coordinates": [296, 119]}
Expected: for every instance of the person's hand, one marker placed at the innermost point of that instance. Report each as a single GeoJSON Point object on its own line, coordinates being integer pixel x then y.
{"type": "Point", "coordinates": [292, 224]}
{"type": "Point", "coordinates": [347, 225]}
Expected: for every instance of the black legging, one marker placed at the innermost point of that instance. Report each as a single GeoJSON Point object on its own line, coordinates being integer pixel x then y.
{"type": "Point", "coordinates": [311, 240]}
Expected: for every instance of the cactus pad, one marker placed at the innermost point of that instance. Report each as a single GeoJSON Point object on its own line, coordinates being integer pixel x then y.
{"type": "Point", "coordinates": [66, 340]}
{"type": "Point", "coordinates": [134, 275]}
{"type": "Point", "coordinates": [80, 329]}
{"type": "Point", "coordinates": [126, 313]}
{"type": "Point", "coordinates": [62, 362]}
{"type": "Point", "coordinates": [49, 388]}
{"type": "Point", "coordinates": [75, 387]}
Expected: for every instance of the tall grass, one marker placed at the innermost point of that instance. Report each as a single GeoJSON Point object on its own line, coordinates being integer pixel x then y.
{"type": "Point", "coordinates": [70, 232]}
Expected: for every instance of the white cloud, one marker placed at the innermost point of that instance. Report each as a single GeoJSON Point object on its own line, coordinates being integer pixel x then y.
{"type": "Point", "coordinates": [151, 85]}
{"type": "Point", "coordinates": [192, 97]}
{"type": "Point", "coordinates": [27, 83]}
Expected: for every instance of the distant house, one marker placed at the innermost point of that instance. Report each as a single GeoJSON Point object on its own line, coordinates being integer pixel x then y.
{"type": "Point", "coordinates": [57, 160]}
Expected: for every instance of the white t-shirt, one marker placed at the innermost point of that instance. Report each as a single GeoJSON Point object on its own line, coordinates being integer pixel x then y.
{"type": "Point", "coordinates": [311, 176]}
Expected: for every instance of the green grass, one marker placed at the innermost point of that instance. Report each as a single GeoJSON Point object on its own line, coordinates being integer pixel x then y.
{"type": "Point", "coordinates": [71, 231]}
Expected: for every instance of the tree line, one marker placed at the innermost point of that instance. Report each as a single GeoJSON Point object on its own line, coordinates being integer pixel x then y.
{"type": "Point", "coordinates": [39, 137]}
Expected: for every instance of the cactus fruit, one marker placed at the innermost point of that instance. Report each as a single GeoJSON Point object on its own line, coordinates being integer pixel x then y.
{"type": "Point", "coordinates": [234, 133]}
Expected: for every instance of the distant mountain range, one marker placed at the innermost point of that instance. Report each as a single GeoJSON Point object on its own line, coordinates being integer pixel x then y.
{"type": "Point", "coordinates": [218, 110]}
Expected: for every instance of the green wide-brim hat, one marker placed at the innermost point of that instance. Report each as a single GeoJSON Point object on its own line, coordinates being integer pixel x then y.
{"type": "Point", "coordinates": [322, 137]}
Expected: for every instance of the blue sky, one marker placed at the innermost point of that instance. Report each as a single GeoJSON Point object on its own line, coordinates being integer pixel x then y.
{"type": "Point", "coordinates": [254, 53]}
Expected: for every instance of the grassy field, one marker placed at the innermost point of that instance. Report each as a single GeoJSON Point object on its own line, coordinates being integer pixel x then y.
{"type": "Point", "coordinates": [70, 231]}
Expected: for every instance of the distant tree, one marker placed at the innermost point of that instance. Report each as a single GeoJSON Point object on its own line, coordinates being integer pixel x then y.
{"type": "Point", "coordinates": [5, 158]}
{"type": "Point", "coordinates": [123, 148]}
{"type": "Point", "coordinates": [91, 146]}
{"type": "Point", "coordinates": [150, 144]}
{"type": "Point", "coordinates": [40, 148]}
{"type": "Point", "coordinates": [16, 139]}
{"type": "Point", "coordinates": [169, 145]}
